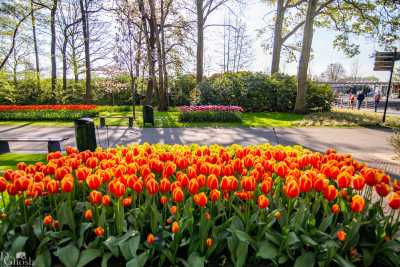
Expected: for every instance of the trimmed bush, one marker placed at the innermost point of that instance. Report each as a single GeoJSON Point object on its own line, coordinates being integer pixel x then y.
{"type": "Point", "coordinates": [210, 116]}
{"type": "Point", "coordinates": [46, 115]}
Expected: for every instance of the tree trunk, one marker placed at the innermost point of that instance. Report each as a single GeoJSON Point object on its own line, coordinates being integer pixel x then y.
{"type": "Point", "coordinates": [277, 47]}
{"type": "Point", "coordinates": [53, 48]}
{"type": "Point", "coordinates": [35, 46]}
{"type": "Point", "coordinates": [75, 65]}
{"type": "Point", "coordinates": [85, 29]}
{"type": "Point", "coordinates": [162, 103]}
{"type": "Point", "coordinates": [300, 106]}
{"type": "Point", "coordinates": [64, 60]}
{"type": "Point", "coordinates": [200, 41]}
{"type": "Point", "coordinates": [150, 44]}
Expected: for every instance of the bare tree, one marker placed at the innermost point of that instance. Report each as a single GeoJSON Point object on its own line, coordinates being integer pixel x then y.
{"type": "Point", "coordinates": [203, 10]}
{"type": "Point", "coordinates": [334, 72]}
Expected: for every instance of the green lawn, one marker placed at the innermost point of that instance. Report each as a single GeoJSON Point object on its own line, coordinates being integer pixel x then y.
{"type": "Point", "coordinates": [10, 160]}
{"type": "Point", "coordinates": [335, 118]}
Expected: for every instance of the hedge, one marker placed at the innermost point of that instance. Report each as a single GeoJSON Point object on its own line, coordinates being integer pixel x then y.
{"type": "Point", "coordinates": [261, 92]}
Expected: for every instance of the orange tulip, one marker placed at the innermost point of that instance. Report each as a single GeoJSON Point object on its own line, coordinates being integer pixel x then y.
{"type": "Point", "coordinates": [266, 185]}
{"type": "Point", "coordinates": [165, 185]}
{"type": "Point", "coordinates": [248, 183]}
{"type": "Point", "coordinates": [48, 219]}
{"type": "Point", "coordinates": [370, 176]}
{"type": "Point", "coordinates": [209, 242]}
{"type": "Point", "coordinates": [106, 200]}
{"type": "Point", "coordinates": [358, 182]}
{"type": "Point", "coordinates": [152, 187]}
{"type": "Point", "coordinates": [82, 173]}
{"type": "Point", "coordinates": [193, 186]}
{"type": "Point", "coordinates": [291, 189]}
{"type": "Point", "coordinates": [93, 181]}
{"type": "Point", "coordinates": [95, 197]}
{"type": "Point", "coordinates": [341, 235]}
{"type": "Point", "coordinates": [343, 180]}
{"type": "Point", "coordinates": [116, 188]}
{"type": "Point", "coordinates": [175, 227]}
{"type": "Point", "coordinates": [262, 202]}
{"type": "Point", "coordinates": [382, 189]}
{"type": "Point", "coordinates": [394, 201]}
{"type": "Point", "coordinates": [163, 200]}
{"type": "Point", "coordinates": [3, 184]}
{"type": "Point", "coordinates": [357, 203]}
{"type": "Point", "coordinates": [281, 169]}
{"type": "Point", "coordinates": [330, 193]}
{"type": "Point", "coordinates": [212, 182]}
{"type": "Point", "coordinates": [335, 208]}
{"type": "Point", "coordinates": [126, 202]}
{"type": "Point", "coordinates": [225, 183]}
{"type": "Point", "coordinates": [67, 185]}
{"type": "Point", "coordinates": [305, 183]}
{"type": "Point", "coordinates": [177, 195]}
{"type": "Point", "coordinates": [150, 239]}
{"type": "Point", "coordinates": [138, 186]}
{"type": "Point", "coordinates": [99, 231]}
{"type": "Point", "coordinates": [88, 215]}
{"type": "Point", "coordinates": [173, 210]}
{"type": "Point", "coordinates": [215, 195]}
{"type": "Point", "coordinates": [200, 199]}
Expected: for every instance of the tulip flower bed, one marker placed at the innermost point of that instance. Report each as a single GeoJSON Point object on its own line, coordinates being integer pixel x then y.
{"type": "Point", "coordinates": [163, 205]}
{"type": "Point", "coordinates": [210, 116]}
{"type": "Point", "coordinates": [211, 108]}
{"type": "Point", "coordinates": [46, 115]}
{"type": "Point", "coordinates": [46, 107]}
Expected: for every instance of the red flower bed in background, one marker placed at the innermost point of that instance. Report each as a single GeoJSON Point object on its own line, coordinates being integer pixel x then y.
{"type": "Point", "coordinates": [211, 108]}
{"type": "Point", "coordinates": [46, 107]}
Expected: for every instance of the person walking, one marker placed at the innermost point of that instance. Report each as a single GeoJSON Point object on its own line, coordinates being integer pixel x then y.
{"type": "Point", "coordinates": [352, 98]}
{"type": "Point", "coordinates": [377, 99]}
{"type": "Point", "coordinates": [360, 99]}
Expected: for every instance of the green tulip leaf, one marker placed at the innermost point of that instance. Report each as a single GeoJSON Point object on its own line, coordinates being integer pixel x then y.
{"type": "Point", "coordinates": [195, 260]}
{"type": "Point", "coordinates": [267, 251]}
{"type": "Point", "coordinates": [87, 256]}
{"type": "Point", "coordinates": [305, 260]}
{"type": "Point", "coordinates": [68, 255]}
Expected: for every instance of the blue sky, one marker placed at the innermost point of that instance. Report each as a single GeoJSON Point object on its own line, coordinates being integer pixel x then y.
{"type": "Point", "coordinates": [323, 51]}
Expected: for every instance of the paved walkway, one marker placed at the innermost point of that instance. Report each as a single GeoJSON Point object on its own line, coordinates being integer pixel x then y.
{"type": "Point", "coordinates": [369, 145]}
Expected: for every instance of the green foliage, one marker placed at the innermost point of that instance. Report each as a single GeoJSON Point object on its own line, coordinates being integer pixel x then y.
{"type": "Point", "coordinates": [259, 92]}
{"type": "Point", "coordinates": [210, 116]}
{"type": "Point", "coordinates": [47, 115]}
{"type": "Point", "coordinates": [7, 92]}
{"type": "Point", "coordinates": [183, 90]}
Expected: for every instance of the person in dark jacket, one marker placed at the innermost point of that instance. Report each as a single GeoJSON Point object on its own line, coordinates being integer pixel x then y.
{"type": "Point", "coordinates": [360, 99]}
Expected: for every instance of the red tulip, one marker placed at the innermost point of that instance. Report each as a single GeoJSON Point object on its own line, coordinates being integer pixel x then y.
{"type": "Point", "coordinates": [394, 201]}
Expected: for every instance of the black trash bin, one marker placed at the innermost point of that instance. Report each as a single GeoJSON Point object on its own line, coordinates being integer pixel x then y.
{"type": "Point", "coordinates": [148, 115]}
{"type": "Point", "coordinates": [85, 134]}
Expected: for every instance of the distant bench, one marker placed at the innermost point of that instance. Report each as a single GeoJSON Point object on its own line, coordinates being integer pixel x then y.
{"type": "Point", "coordinates": [103, 120]}
{"type": "Point", "coordinates": [53, 144]}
